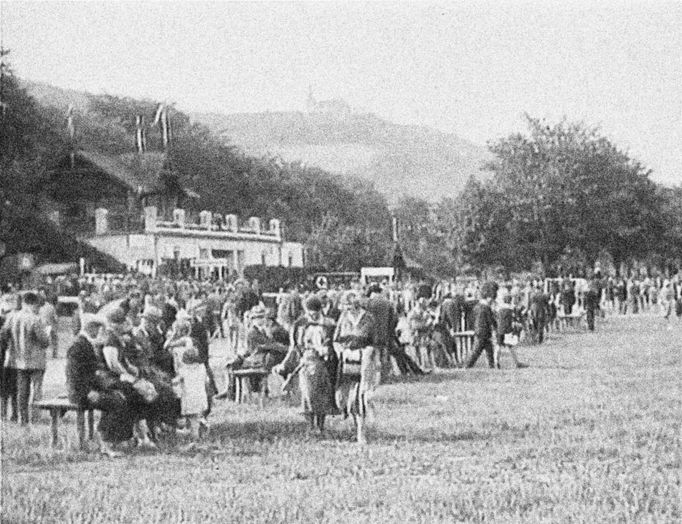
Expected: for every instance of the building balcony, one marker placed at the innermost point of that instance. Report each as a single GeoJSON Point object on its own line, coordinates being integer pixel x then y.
{"type": "Point", "coordinates": [180, 222]}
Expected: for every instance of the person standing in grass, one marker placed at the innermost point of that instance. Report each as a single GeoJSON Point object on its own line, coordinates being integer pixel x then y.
{"type": "Point", "coordinates": [27, 352]}
{"type": "Point", "coordinates": [48, 314]}
{"type": "Point", "coordinates": [355, 340]}
{"type": "Point", "coordinates": [190, 381]}
{"type": "Point", "coordinates": [484, 325]}
{"type": "Point", "coordinates": [508, 330]}
{"type": "Point", "coordinates": [592, 302]}
{"type": "Point", "coordinates": [311, 357]}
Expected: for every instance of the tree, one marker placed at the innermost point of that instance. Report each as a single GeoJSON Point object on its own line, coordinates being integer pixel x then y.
{"type": "Point", "coordinates": [566, 188]}
{"type": "Point", "coordinates": [340, 247]}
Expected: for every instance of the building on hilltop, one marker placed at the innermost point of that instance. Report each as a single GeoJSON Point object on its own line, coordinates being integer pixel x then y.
{"type": "Point", "coordinates": [125, 206]}
{"type": "Point", "coordinates": [336, 106]}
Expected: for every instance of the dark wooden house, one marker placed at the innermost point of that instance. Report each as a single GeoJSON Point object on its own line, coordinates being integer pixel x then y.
{"type": "Point", "coordinates": [84, 181]}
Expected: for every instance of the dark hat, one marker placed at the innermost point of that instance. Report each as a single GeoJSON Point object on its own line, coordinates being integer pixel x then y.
{"type": "Point", "coordinates": [313, 304]}
{"type": "Point", "coordinates": [30, 298]}
{"type": "Point", "coordinates": [374, 288]}
{"type": "Point", "coordinates": [116, 316]}
{"type": "Point", "coordinates": [489, 289]}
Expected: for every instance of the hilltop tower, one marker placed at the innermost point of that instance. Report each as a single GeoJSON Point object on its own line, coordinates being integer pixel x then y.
{"type": "Point", "coordinates": [311, 103]}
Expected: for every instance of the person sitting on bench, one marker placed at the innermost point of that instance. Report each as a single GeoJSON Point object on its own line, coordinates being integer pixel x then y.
{"type": "Point", "coordinates": [89, 387]}
{"type": "Point", "coordinates": [263, 352]}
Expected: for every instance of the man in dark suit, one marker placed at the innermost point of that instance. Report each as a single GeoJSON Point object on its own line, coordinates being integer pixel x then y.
{"type": "Point", "coordinates": [329, 310]}
{"type": "Point", "coordinates": [386, 321]}
{"type": "Point", "coordinates": [484, 325]}
{"type": "Point", "coordinates": [88, 386]}
{"type": "Point", "coordinates": [199, 333]}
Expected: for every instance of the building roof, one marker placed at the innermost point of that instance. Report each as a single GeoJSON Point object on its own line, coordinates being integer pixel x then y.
{"type": "Point", "coordinates": [139, 172]}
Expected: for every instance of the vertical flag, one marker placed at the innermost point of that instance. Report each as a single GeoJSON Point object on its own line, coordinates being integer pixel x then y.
{"type": "Point", "coordinates": [163, 121]}
{"type": "Point", "coordinates": [69, 122]}
{"type": "Point", "coordinates": [140, 134]}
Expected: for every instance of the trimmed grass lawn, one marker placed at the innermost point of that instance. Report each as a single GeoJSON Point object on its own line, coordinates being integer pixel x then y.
{"type": "Point", "coordinates": [589, 433]}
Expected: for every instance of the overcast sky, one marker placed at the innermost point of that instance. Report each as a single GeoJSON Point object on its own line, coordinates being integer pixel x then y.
{"type": "Point", "coordinates": [471, 68]}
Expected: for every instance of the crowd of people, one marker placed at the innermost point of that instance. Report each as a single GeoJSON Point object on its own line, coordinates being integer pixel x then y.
{"type": "Point", "coordinates": [141, 347]}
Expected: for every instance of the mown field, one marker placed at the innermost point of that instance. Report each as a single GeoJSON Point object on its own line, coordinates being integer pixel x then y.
{"type": "Point", "coordinates": [589, 433]}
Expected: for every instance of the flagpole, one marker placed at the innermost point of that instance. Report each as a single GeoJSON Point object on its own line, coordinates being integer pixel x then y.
{"type": "Point", "coordinates": [3, 104]}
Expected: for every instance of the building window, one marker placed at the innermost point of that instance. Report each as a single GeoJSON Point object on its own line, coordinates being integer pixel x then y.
{"type": "Point", "coordinates": [291, 260]}
{"type": "Point", "coordinates": [203, 253]}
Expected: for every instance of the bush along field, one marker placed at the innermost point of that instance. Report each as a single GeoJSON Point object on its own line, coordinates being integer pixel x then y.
{"type": "Point", "coordinates": [590, 432]}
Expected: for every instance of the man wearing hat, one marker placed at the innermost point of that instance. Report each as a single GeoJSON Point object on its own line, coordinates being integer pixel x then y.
{"type": "Point", "coordinates": [261, 352]}
{"type": "Point", "coordinates": [123, 360]}
{"type": "Point", "coordinates": [87, 386]}
{"type": "Point", "coordinates": [484, 324]}
{"type": "Point", "coordinates": [150, 338]}
{"type": "Point", "coordinates": [156, 365]}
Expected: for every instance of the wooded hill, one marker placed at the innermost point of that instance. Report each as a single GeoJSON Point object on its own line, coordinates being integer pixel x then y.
{"type": "Point", "coordinates": [400, 160]}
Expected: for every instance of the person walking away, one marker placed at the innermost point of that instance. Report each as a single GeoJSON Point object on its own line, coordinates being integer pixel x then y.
{"type": "Point", "coordinates": [386, 321]}
{"type": "Point", "coordinates": [592, 302]}
{"type": "Point", "coordinates": [27, 353]}
{"type": "Point", "coordinates": [508, 330]}
{"type": "Point", "coordinates": [484, 325]}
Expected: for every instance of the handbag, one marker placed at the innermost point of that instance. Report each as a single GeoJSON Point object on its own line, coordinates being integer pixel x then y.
{"type": "Point", "coordinates": [510, 339]}
{"type": "Point", "coordinates": [191, 356]}
{"type": "Point", "coordinates": [351, 363]}
{"type": "Point", "coordinates": [146, 390]}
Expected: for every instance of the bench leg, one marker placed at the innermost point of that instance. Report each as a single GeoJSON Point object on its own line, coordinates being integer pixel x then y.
{"type": "Point", "coordinates": [80, 426]}
{"type": "Point", "coordinates": [263, 392]}
{"type": "Point", "coordinates": [54, 424]}
{"type": "Point", "coordinates": [238, 390]}
{"type": "Point", "coordinates": [91, 424]}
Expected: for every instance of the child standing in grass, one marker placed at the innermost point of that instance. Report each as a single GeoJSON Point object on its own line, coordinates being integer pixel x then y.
{"type": "Point", "coordinates": [190, 381]}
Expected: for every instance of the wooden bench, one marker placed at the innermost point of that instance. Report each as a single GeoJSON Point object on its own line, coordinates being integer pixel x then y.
{"type": "Point", "coordinates": [242, 381]}
{"type": "Point", "coordinates": [57, 406]}
{"type": "Point", "coordinates": [464, 344]}
{"type": "Point", "coordinates": [574, 320]}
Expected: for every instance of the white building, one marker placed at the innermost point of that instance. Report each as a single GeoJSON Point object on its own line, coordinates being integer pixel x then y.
{"type": "Point", "coordinates": [215, 245]}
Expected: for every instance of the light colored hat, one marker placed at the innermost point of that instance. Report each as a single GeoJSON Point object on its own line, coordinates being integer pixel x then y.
{"type": "Point", "coordinates": [183, 316]}
{"type": "Point", "coordinates": [258, 312]}
{"type": "Point", "coordinates": [152, 312]}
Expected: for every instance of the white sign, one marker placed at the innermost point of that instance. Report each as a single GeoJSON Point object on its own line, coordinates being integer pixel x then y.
{"type": "Point", "coordinates": [208, 262]}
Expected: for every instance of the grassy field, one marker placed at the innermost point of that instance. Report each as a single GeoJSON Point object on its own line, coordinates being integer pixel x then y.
{"type": "Point", "coordinates": [589, 433]}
